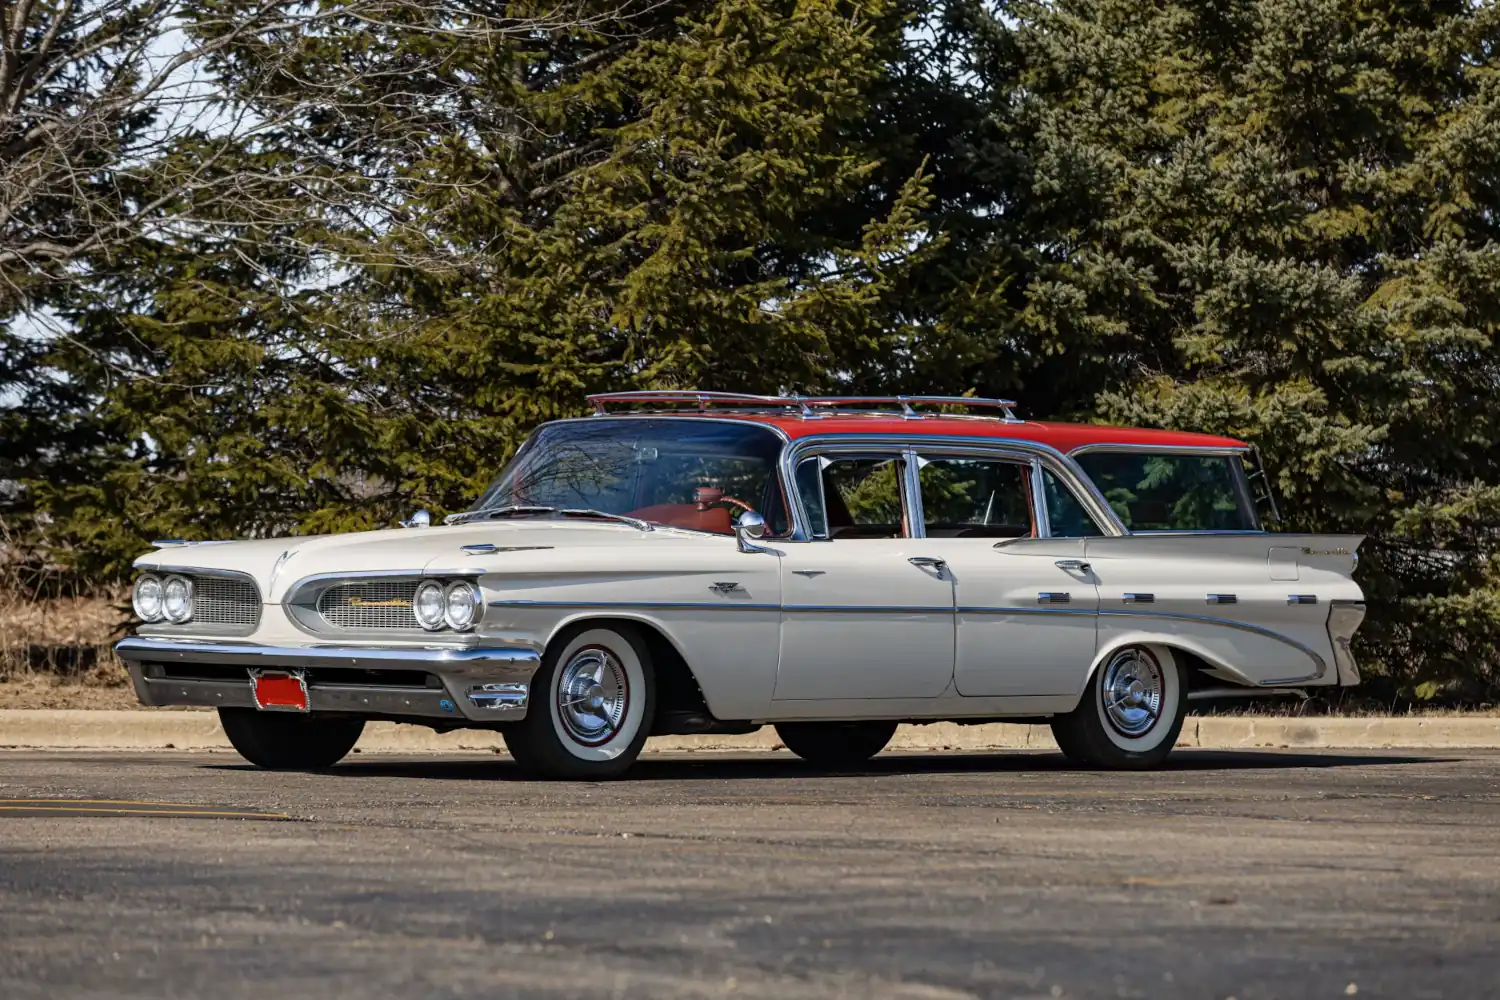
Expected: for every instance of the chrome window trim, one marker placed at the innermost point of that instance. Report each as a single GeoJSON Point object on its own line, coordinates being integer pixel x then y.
{"type": "Point", "coordinates": [895, 449]}
{"type": "Point", "coordinates": [1184, 449]}
{"type": "Point", "coordinates": [1062, 467]}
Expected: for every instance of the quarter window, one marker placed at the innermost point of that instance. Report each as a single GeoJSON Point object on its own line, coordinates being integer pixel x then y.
{"type": "Point", "coordinates": [976, 498]}
{"type": "Point", "coordinates": [1173, 492]}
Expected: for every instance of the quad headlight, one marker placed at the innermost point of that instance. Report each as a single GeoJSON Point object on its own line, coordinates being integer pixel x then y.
{"type": "Point", "coordinates": [177, 599]}
{"type": "Point", "coordinates": [458, 605]}
{"type": "Point", "coordinates": [158, 599]}
{"type": "Point", "coordinates": [428, 605]}
{"type": "Point", "coordinates": [462, 602]}
{"type": "Point", "coordinates": [147, 598]}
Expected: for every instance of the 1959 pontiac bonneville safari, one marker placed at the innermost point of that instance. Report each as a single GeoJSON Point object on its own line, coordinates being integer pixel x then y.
{"type": "Point", "coordinates": [692, 562]}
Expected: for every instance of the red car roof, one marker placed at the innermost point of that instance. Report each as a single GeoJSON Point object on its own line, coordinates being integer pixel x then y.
{"type": "Point", "coordinates": [1064, 437]}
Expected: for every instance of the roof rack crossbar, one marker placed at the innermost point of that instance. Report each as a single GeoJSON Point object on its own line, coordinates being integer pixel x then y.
{"type": "Point", "coordinates": [808, 406]}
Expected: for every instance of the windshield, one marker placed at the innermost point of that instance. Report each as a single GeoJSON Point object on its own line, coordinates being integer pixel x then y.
{"type": "Point", "coordinates": [688, 473]}
{"type": "Point", "coordinates": [1173, 492]}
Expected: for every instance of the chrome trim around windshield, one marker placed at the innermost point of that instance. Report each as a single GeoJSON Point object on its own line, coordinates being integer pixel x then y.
{"type": "Point", "coordinates": [799, 527]}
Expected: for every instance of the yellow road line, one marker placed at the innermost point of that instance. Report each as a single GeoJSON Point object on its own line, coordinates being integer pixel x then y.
{"type": "Point", "coordinates": [102, 802]}
{"type": "Point", "coordinates": [99, 810]}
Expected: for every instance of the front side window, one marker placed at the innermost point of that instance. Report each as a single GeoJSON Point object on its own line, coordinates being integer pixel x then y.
{"type": "Point", "coordinates": [686, 473]}
{"type": "Point", "coordinates": [852, 496]}
{"type": "Point", "coordinates": [976, 498]}
{"type": "Point", "coordinates": [1172, 491]}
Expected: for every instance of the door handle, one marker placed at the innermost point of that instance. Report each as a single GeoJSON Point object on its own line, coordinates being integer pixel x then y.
{"type": "Point", "coordinates": [1076, 565]}
{"type": "Point", "coordinates": [929, 562]}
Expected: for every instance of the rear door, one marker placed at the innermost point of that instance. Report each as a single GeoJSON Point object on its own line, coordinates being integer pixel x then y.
{"type": "Point", "coordinates": [1026, 605]}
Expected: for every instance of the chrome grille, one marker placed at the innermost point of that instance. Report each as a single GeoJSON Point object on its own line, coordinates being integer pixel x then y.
{"type": "Point", "coordinates": [219, 600]}
{"type": "Point", "coordinates": [372, 604]}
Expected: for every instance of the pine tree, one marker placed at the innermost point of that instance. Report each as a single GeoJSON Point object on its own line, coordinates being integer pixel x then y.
{"type": "Point", "coordinates": [1277, 219]}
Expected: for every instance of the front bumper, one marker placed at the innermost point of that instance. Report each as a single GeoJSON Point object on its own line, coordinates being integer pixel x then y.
{"type": "Point", "coordinates": [483, 685]}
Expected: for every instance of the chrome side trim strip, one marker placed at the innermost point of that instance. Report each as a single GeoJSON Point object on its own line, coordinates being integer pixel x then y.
{"type": "Point", "coordinates": [967, 610]}
{"type": "Point", "coordinates": [859, 609]}
{"type": "Point", "coordinates": [1241, 626]}
{"type": "Point", "coordinates": [640, 605]}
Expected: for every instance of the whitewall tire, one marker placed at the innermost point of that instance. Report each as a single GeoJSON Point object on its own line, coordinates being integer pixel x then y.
{"type": "Point", "coordinates": [591, 705]}
{"type": "Point", "coordinates": [1131, 714]}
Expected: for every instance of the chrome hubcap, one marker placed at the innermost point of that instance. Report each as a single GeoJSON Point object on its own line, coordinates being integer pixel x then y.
{"type": "Point", "coordinates": [1132, 692]}
{"type": "Point", "coordinates": [592, 695]}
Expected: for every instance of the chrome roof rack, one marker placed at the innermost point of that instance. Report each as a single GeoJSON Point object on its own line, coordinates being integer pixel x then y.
{"type": "Point", "coordinates": [808, 407]}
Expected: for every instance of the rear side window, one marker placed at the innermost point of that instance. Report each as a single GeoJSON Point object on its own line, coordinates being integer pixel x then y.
{"type": "Point", "coordinates": [1171, 491]}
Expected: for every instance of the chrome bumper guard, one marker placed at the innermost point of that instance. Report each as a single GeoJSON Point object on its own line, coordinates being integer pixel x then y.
{"type": "Point", "coordinates": [483, 684]}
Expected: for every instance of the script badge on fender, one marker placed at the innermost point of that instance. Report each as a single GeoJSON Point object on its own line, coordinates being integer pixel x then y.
{"type": "Point", "coordinates": [279, 690]}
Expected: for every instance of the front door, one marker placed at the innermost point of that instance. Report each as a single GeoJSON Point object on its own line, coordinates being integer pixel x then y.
{"type": "Point", "coordinates": [866, 611]}
{"type": "Point", "coordinates": [1027, 606]}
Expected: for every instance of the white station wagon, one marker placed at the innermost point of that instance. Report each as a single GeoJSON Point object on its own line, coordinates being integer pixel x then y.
{"type": "Point", "coordinates": [694, 562]}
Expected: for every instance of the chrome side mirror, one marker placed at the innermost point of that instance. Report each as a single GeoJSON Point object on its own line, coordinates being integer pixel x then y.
{"type": "Point", "coordinates": [420, 519]}
{"type": "Point", "coordinates": [749, 529]}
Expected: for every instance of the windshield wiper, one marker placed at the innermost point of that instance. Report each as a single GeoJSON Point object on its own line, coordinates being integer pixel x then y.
{"type": "Point", "coordinates": [521, 510]}
{"type": "Point", "coordinates": [634, 522]}
{"type": "Point", "coordinates": [488, 515]}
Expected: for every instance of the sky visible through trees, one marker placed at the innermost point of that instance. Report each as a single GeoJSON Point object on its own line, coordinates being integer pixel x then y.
{"type": "Point", "coordinates": [343, 256]}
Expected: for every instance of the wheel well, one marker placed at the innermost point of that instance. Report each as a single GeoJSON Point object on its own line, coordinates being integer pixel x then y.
{"type": "Point", "coordinates": [1200, 672]}
{"type": "Point", "coordinates": [677, 689]}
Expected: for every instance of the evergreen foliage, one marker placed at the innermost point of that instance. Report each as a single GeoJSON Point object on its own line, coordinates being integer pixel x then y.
{"type": "Point", "coordinates": [1277, 219]}
{"type": "Point", "coordinates": [1269, 218]}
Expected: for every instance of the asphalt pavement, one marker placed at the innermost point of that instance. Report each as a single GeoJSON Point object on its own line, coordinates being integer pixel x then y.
{"type": "Point", "coordinates": [1230, 874]}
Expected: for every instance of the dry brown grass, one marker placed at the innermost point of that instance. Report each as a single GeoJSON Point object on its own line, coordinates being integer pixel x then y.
{"type": "Point", "coordinates": [61, 638]}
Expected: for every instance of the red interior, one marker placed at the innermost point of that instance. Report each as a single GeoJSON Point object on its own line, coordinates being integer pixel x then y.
{"type": "Point", "coordinates": [688, 515]}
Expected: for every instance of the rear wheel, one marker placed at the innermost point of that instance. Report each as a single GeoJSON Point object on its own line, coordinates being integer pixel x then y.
{"type": "Point", "coordinates": [835, 744]}
{"type": "Point", "coordinates": [591, 705]}
{"type": "Point", "coordinates": [1132, 713]}
{"type": "Point", "coordinates": [286, 741]}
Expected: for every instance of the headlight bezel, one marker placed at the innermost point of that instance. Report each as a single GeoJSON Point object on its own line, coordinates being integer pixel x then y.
{"type": "Point", "coordinates": [430, 586]}
{"type": "Point", "coordinates": [138, 606]}
{"type": "Point", "coordinates": [475, 596]}
{"type": "Point", "coordinates": [186, 614]}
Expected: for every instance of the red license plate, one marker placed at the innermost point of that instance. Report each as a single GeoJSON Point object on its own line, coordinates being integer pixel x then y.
{"type": "Point", "coordinates": [279, 691]}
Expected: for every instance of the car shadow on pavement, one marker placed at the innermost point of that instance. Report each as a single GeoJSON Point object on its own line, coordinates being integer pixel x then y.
{"type": "Point", "coordinates": [768, 766]}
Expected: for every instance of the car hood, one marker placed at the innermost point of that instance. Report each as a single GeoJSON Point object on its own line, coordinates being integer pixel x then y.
{"type": "Point", "coordinates": [278, 563]}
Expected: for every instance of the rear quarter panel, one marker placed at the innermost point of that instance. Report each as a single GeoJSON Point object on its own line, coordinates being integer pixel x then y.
{"type": "Point", "coordinates": [1264, 637]}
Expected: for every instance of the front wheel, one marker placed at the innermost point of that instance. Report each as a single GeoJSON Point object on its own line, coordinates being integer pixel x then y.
{"type": "Point", "coordinates": [1130, 715]}
{"type": "Point", "coordinates": [835, 744]}
{"type": "Point", "coordinates": [284, 741]}
{"type": "Point", "coordinates": [591, 705]}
